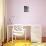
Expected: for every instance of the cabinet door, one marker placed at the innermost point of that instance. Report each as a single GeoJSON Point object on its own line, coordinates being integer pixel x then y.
{"type": "Point", "coordinates": [36, 33]}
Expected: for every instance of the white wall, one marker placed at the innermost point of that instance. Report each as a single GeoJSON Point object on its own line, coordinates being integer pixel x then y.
{"type": "Point", "coordinates": [36, 14]}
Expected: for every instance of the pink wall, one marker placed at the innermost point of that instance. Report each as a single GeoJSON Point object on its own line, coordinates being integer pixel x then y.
{"type": "Point", "coordinates": [36, 14]}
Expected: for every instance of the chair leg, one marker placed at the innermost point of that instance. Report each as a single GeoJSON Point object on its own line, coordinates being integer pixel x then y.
{"type": "Point", "coordinates": [15, 38]}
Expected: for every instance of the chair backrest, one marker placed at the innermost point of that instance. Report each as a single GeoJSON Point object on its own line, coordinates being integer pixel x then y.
{"type": "Point", "coordinates": [18, 30]}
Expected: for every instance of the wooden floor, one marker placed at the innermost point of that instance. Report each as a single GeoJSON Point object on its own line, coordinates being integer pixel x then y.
{"type": "Point", "coordinates": [23, 43]}
{"type": "Point", "coordinates": [18, 43]}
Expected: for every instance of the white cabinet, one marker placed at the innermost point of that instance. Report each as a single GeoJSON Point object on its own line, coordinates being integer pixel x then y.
{"type": "Point", "coordinates": [36, 33]}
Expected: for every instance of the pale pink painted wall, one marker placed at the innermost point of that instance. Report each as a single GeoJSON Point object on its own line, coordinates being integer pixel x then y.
{"type": "Point", "coordinates": [36, 14]}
